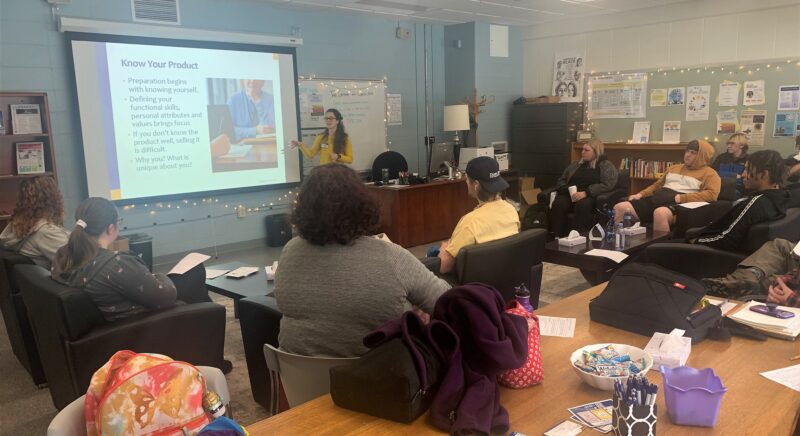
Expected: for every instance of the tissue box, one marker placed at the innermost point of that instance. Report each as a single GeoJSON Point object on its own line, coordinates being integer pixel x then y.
{"type": "Point", "coordinates": [633, 231]}
{"type": "Point", "coordinates": [571, 242]}
{"type": "Point", "coordinates": [670, 360]}
{"type": "Point", "coordinates": [270, 270]}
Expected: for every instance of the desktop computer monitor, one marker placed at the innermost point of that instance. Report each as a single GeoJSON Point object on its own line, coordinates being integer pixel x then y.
{"type": "Point", "coordinates": [441, 152]}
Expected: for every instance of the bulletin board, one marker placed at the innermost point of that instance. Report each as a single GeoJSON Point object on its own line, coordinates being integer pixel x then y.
{"type": "Point", "coordinates": [774, 75]}
{"type": "Point", "coordinates": [362, 103]}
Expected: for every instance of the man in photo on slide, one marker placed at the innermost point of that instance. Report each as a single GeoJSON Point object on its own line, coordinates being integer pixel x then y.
{"type": "Point", "coordinates": [252, 110]}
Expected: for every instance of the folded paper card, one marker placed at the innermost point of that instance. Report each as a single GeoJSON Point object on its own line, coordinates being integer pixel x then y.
{"type": "Point", "coordinates": [669, 350]}
{"type": "Point", "coordinates": [634, 230]}
{"type": "Point", "coordinates": [574, 238]}
{"type": "Point", "coordinates": [597, 233]}
{"type": "Point", "coordinates": [270, 270]}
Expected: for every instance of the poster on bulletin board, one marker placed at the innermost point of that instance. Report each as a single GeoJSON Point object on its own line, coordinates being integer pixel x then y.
{"type": "Point", "coordinates": [618, 96]}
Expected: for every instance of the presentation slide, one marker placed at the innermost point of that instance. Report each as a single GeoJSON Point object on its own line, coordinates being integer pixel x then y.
{"type": "Point", "coordinates": [161, 121]}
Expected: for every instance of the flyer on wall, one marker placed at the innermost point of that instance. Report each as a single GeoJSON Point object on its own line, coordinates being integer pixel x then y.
{"type": "Point", "coordinates": [785, 124]}
{"type": "Point", "coordinates": [641, 132]}
{"type": "Point", "coordinates": [753, 125]}
{"type": "Point", "coordinates": [658, 97]}
{"type": "Point", "coordinates": [618, 96]}
{"type": "Point", "coordinates": [754, 93]}
{"type": "Point", "coordinates": [697, 103]}
{"type": "Point", "coordinates": [675, 96]}
{"type": "Point", "coordinates": [727, 121]}
{"type": "Point", "coordinates": [671, 133]}
{"type": "Point", "coordinates": [789, 97]}
{"type": "Point", "coordinates": [728, 93]}
{"type": "Point", "coordinates": [568, 76]}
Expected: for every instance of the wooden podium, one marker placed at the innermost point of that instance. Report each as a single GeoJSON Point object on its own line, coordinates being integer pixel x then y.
{"type": "Point", "coordinates": [422, 214]}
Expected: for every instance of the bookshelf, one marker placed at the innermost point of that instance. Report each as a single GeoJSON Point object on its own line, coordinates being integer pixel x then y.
{"type": "Point", "coordinates": [9, 179]}
{"type": "Point", "coordinates": [616, 152]}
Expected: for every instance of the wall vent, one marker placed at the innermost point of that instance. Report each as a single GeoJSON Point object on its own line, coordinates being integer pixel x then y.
{"type": "Point", "coordinates": [156, 11]}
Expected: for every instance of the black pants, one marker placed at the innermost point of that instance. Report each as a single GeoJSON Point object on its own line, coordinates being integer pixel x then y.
{"type": "Point", "coordinates": [191, 285]}
{"type": "Point", "coordinates": [562, 206]}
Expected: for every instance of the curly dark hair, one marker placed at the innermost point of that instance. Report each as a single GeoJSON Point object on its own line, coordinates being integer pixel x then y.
{"type": "Point", "coordinates": [39, 199]}
{"type": "Point", "coordinates": [767, 160]}
{"type": "Point", "coordinates": [334, 206]}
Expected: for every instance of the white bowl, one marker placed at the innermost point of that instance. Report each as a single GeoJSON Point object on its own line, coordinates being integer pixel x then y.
{"type": "Point", "coordinates": [603, 382]}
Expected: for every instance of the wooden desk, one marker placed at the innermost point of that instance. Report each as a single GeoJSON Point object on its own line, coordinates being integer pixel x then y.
{"type": "Point", "coordinates": [752, 405]}
{"type": "Point", "coordinates": [422, 214]}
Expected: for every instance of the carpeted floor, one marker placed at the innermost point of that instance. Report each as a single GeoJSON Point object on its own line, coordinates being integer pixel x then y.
{"type": "Point", "coordinates": [28, 410]}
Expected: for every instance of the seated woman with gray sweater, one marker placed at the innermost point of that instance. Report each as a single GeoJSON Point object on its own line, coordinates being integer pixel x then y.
{"type": "Point", "coordinates": [335, 282]}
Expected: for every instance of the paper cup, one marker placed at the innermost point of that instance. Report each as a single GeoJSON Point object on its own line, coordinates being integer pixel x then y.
{"type": "Point", "coordinates": [572, 190]}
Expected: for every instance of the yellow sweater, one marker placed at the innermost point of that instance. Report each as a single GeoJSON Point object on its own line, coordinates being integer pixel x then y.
{"type": "Point", "coordinates": [324, 146]}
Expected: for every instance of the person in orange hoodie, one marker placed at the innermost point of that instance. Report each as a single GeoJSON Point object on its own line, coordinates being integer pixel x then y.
{"type": "Point", "coordinates": [693, 180]}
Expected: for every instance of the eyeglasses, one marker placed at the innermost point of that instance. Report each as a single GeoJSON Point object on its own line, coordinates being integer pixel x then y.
{"type": "Point", "coordinates": [330, 118]}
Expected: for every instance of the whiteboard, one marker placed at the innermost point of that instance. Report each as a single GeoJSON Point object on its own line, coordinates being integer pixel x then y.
{"type": "Point", "coordinates": [363, 107]}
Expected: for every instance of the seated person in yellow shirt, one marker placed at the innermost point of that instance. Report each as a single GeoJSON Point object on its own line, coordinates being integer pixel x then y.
{"type": "Point", "coordinates": [333, 145]}
{"type": "Point", "coordinates": [493, 218]}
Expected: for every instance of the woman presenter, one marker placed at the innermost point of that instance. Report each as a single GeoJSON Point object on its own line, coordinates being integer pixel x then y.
{"type": "Point", "coordinates": [333, 145]}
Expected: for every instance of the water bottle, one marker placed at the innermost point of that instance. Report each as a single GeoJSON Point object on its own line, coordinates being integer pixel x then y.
{"type": "Point", "coordinates": [610, 226]}
{"type": "Point", "coordinates": [627, 218]}
{"type": "Point", "coordinates": [523, 296]}
{"type": "Point", "coordinates": [620, 238]}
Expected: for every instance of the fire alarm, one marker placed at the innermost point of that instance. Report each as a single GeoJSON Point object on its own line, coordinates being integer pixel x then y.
{"type": "Point", "coordinates": [403, 33]}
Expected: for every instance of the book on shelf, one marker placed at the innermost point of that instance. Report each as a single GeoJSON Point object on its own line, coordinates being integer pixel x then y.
{"type": "Point", "coordinates": [30, 157]}
{"type": "Point", "coordinates": [2, 124]}
{"type": "Point", "coordinates": [25, 118]}
{"type": "Point", "coordinates": [642, 168]}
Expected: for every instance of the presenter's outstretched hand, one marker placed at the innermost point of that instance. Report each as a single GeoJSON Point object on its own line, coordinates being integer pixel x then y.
{"type": "Point", "coordinates": [294, 144]}
{"type": "Point", "coordinates": [335, 156]}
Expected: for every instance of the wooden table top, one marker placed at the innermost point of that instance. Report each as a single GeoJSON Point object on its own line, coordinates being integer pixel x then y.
{"type": "Point", "coordinates": [752, 405]}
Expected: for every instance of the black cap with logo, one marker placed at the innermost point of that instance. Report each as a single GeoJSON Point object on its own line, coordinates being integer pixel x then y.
{"type": "Point", "coordinates": [486, 170]}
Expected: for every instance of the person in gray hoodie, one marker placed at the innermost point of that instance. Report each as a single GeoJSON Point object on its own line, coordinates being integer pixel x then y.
{"type": "Point", "coordinates": [591, 175]}
{"type": "Point", "coordinates": [119, 283]}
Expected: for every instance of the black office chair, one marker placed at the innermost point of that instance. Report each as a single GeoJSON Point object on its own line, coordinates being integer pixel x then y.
{"type": "Point", "coordinates": [392, 160]}
{"type": "Point", "coordinates": [603, 202]}
{"type": "Point", "coordinates": [686, 219]}
{"type": "Point", "coordinates": [505, 263]}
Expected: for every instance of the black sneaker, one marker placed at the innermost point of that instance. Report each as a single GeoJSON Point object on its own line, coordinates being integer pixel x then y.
{"type": "Point", "coordinates": [226, 366]}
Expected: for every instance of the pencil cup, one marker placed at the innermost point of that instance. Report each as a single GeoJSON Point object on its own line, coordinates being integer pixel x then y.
{"type": "Point", "coordinates": [633, 420]}
{"type": "Point", "coordinates": [693, 396]}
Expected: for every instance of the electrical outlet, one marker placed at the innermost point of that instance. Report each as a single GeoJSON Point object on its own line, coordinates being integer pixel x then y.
{"type": "Point", "coordinates": [241, 212]}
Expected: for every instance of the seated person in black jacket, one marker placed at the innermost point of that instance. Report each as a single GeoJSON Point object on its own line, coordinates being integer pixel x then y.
{"type": "Point", "coordinates": [765, 202]}
{"type": "Point", "coordinates": [119, 283]}
{"type": "Point", "coordinates": [592, 175]}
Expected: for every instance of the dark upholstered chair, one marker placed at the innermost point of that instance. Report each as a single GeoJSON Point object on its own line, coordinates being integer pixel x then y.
{"type": "Point", "coordinates": [74, 340]}
{"type": "Point", "coordinates": [505, 263]}
{"type": "Point", "coordinates": [603, 202]}
{"type": "Point", "coordinates": [392, 160]}
{"type": "Point", "coordinates": [686, 219]}
{"type": "Point", "coordinates": [15, 316]}
{"type": "Point", "coordinates": [700, 261]}
{"type": "Point", "coordinates": [260, 320]}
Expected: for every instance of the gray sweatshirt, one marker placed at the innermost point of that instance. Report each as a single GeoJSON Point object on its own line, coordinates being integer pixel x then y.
{"type": "Point", "coordinates": [40, 245]}
{"type": "Point", "coordinates": [331, 296]}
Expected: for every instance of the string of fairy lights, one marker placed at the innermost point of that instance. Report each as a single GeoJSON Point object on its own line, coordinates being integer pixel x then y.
{"type": "Point", "coordinates": [156, 211]}
{"type": "Point", "coordinates": [725, 72]}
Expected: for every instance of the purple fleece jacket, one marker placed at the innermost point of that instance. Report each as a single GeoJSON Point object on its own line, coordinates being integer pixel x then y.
{"type": "Point", "coordinates": [491, 341]}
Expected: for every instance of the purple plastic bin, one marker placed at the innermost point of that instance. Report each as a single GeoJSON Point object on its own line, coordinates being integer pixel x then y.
{"type": "Point", "coordinates": [693, 396]}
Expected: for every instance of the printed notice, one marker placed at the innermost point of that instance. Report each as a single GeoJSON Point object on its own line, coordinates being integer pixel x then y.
{"type": "Point", "coordinates": [727, 121]}
{"type": "Point", "coordinates": [789, 376]}
{"type": "Point", "coordinates": [729, 93]}
{"type": "Point", "coordinates": [671, 133]}
{"type": "Point", "coordinates": [697, 103]}
{"type": "Point", "coordinates": [754, 126]}
{"type": "Point", "coordinates": [789, 97]}
{"type": "Point", "coordinates": [394, 109]}
{"type": "Point", "coordinates": [556, 326]}
{"type": "Point", "coordinates": [658, 97]}
{"type": "Point", "coordinates": [754, 93]}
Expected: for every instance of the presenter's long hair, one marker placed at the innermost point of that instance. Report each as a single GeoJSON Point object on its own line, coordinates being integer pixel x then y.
{"type": "Point", "coordinates": [39, 199]}
{"type": "Point", "coordinates": [334, 206]}
{"type": "Point", "coordinates": [98, 213]}
{"type": "Point", "coordinates": [341, 135]}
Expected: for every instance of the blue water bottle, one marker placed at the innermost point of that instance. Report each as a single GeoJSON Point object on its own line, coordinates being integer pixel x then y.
{"type": "Point", "coordinates": [610, 227]}
{"type": "Point", "coordinates": [627, 218]}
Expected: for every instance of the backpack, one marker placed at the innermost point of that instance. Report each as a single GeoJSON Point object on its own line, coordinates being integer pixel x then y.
{"type": "Point", "coordinates": [532, 371]}
{"type": "Point", "coordinates": [536, 217]}
{"type": "Point", "coordinates": [646, 298]}
{"type": "Point", "coordinates": [145, 394]}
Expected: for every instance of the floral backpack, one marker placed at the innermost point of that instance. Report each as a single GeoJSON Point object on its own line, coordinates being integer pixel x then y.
{"type": "Point", "coordinates": [145, 394]}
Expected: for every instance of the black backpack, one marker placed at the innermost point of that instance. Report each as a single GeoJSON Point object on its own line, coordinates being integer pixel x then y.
{"type": "Point", "coordinates": [646, 298]}
{"type": "Point", "coordinates": [536, 217]}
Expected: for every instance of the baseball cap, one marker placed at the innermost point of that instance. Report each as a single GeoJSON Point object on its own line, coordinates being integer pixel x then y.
{"type": "Point", "coordinates": [486, 170]}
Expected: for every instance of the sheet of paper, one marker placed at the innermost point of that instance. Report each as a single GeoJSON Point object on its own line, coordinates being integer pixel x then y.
{"type": "Point", "coordinates": [242, 271]}
{"type": "Point", "coordinates": [753, 93]}
{"type": "Point", "coordinates": [754, 126]}
{"type": "Point", "coordinates": [214, 273]}
{"type": "Point", "coordinates": [641, 132]}
{"type": "Point", "coordinates": [785, 124]}
{"type": "Point", "coordinates": [729, 93]}
{"type": "Point", "coordinates": [671, 133]}
{"type": "Point", "coordinates": [676, 96]}
{"type": "Point", "coordinates": [616, 256]}
{"type": "Point", "coordinates": [724, 305]}
{"type": "Point", "coordinates": [789, 376]}
{"type": "Point", "coordinates": [565, 428]}
{"type": "Point", "coordinates": [658, 97]}
{"type": "Point", "coordinates": [789, 97]}
{"type": "Point", "coordinates": [727, 122]}
{"type": "Point", "coordinates": [698, 103]}
{"type": "Point", "coordinates": [693, 204]}
{"type": "Point", "coordinates": [394, 105]}
{"type": "Point", "coordinates": [556, 326]}
{"type": "Point", "coordinates": [594, 414]}
{"type": "Point", "coordinates": [189, 261]}
{"type": "Point", "coordinates": [796, 249]}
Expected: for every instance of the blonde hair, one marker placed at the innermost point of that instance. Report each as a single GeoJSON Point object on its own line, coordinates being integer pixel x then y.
{"type": "Point", "coordinates": [740, 139]}
{"type": "Point", "coordinates": [599, 149]}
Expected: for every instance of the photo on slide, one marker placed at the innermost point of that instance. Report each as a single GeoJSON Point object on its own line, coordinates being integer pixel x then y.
{"type": "Point", "coordinates": [241, 124]}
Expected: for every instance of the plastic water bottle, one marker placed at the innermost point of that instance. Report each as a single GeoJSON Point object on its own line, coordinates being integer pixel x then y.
{"type": "Point", "coordinates": [523, 296]}
{"type": "Point", "coordinates": [610, 226]}
{"type": "Point", "coordinates": [620, 238]}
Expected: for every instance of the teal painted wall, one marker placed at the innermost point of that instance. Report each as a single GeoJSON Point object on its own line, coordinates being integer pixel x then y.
{"type": "Point", "coordinates": [34, 57]}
